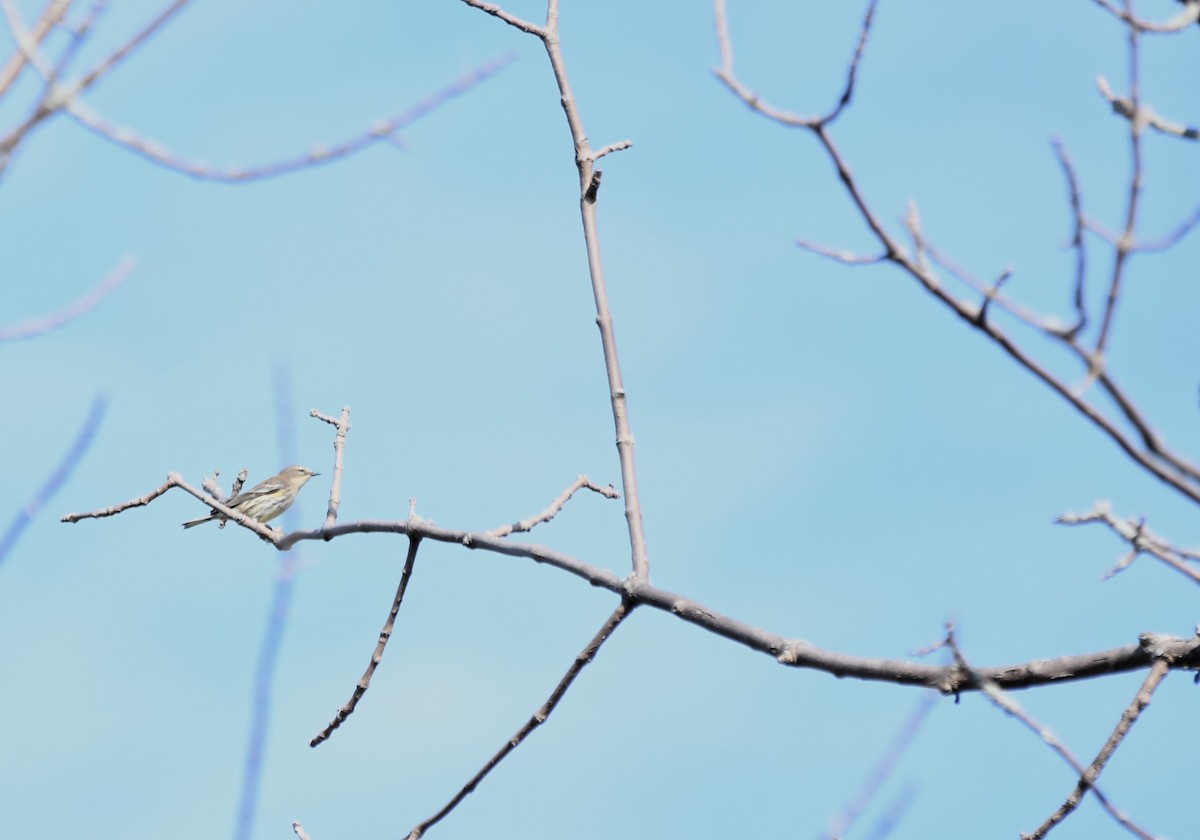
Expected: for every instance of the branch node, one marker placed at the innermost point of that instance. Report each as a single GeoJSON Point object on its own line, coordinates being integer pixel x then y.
{"type": "Point", "coordinates": [593, 187]}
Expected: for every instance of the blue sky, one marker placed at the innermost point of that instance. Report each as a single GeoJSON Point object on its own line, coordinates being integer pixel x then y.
{"type": "Point", "coordinates": [823, 452]}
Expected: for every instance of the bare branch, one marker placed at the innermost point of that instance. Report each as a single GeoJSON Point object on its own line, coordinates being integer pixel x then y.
{"type": "Point", "coordinates": [752, 100]}
{"type": "Point", "coordinates": [552, 510]}
{"type": "Point", "coordinates": [57, 96]}
{"type": "Point", "coordinates": [1170, 239]}
{"type": "Point", "coordinates": [342, 425]}
{"type": "Point", "coordinates": [109, 62]}
{"type": "Point", "coordinates": [992, 294]}
{"type": "Point", "coordinates": [613, 147]}
{"type": "Point", "coordinates": [56, 479]}
{"type": "Point", "coordinates": [1009, 706]}
{"type": "Point", "coordinates": [28, 41]}
{"type": "Point", "coordinates": [68, 97]}
{"type": "Point", "coordinates": [792, 652]}
{"type": "Point", "coordinates": [1176, 24]}
{"type": "Point", "coordinates": [582, 660]}
{"type": "Point", "coordinates": [1154, 458]}
{"type": "Point", "coordinates": [1127, 239]}
{"type": "Point", "coordinates": [80, 306]}
{"type": "Point", "coordinates": [725, 74]}
{"type": "Point", "coordinates": [912, 223]}
{"type": "Point", "coordinates": [384, 131]}
{"type": "Point", "coordinates": [852, 72]}
{"type": "Point", "coordinates": [1124, 107]}
{"type": "Point", "coordinates": [211, 487]}
{"type": "Point", "coordinates": [78, 34]}
{"type": "Point", "coordinates": [890, 818]}
{"type": "Point", "coordinates": [1077, 241]}
{"type": "Point", "coordinates": [364, 681]}
{"type": "Point", "coordinates": [1185, 653]}
{"type": "Point", "coordinates": [844, 257]}
{"type": "Point", "coordinates": [176, 480]}
{"type": "Point", "coordinates": [510, 19]}
{"type": "Point", "coordinates": [883, 768]}
{"type": "Point", "coordinates": [585, 163]}
{"type": "Point", "coordinates": [1140, 538]}
{"type": "Point", "coordinates": [172, 481]}
{"type": "Point", "coordinates": [1087, 779]}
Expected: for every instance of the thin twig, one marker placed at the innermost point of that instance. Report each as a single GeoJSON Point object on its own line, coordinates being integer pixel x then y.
{"type": "Point", "coordinates": [1009, 706]}
{"type": "Point", "coordinates": [32, 40]}
{"type": "Point", "coordinates": [56, 479]}
{"type": "Point", "coordinates": [554, 507]}
{"type": "Point", "coordinates": [55, 95]}
{"type": "Point", "coordinates": [1126, 241]}
{"type": "Point", "coordinates": [510, 19]}
{"type": "Point", "coordinates": [176, 480]}
{"type": "Point", "coordinates": [342, 425]}
{"type": "Point", "coordinates": [1124, 107]}
{"type": "Point", "coordinates": [1087, 780]}
{"type": "Point", "coordinates": [1141, 540]}
{"type": "Point", "coordinates": [78, 35]}
{"type": "Point", "coordinates": [883, 768]}
{"type": "Point", "coordinates": [173, 480]}
{"type": "Point", "coordinates": [852, 72]}
{"type": "Point", "coordinates": [991, 294]}
{"type": "Point", "coordinates": [212, 488]}
{"type": "Point", "coordinates": [1168, 240]}
{"type": "Point", "coordinates": [80, 306]}
{"type": "Point", "coordinates": [1173, 26]}
{"type": "Point", "coordinates": [28, 42]}
{"type": "Point", "coordinates": [109, 62]}
{"type": "Point", "coordinates": [912, 223]}
{"type": "Point", "coordinates": [1067, 336]}
{"type": "Point", "coordinates": [891, 818]}
{"type": "Point", "coordinates": [726, 76]}
{"type": "Point", "coordinates": [619, 146]}
{"type": "Point", "coordinates": [1077, 241]}
{"type": "Point", "coordinates": [385, 634]}
{"type": "Point", "coordinates": [539, 717]}
{"type": "Point", "coordinates": [384, 131]}
{"type": "Point", "coordinates": [844, 257]}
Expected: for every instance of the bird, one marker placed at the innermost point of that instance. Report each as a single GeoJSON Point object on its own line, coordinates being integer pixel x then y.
{"type": "Point", "coordinates": [265, 500]}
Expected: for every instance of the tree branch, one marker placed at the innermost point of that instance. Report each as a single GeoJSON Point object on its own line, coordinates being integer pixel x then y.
{"type": "Point", "coordinates": [56, 479]}
{"type": "Point", "coordinates": [1009, 706]}
{"type": "Point", "coordinates": [585, 161]}
{"type": "Point", "coordinates": [85, 303]}
{"type": "Point", "coordinates": [385, 634]}
{"type": "Point", "coordinates": [582, 660]}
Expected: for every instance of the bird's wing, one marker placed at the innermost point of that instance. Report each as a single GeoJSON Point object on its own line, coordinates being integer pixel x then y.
{"type": "Point", "coordinates": [260, 489]}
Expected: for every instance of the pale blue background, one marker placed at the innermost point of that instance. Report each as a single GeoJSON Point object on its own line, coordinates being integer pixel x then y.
{"type": "Point", "coordinates": [823, 452]}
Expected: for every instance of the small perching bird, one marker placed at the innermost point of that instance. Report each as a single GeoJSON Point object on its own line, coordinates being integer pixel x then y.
{"type": "Point", "coordinates": [265, 500]}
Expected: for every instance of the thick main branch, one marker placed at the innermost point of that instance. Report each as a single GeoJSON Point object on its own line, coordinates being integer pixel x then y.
{"type": "Point", "coordinates": [798, 653]}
